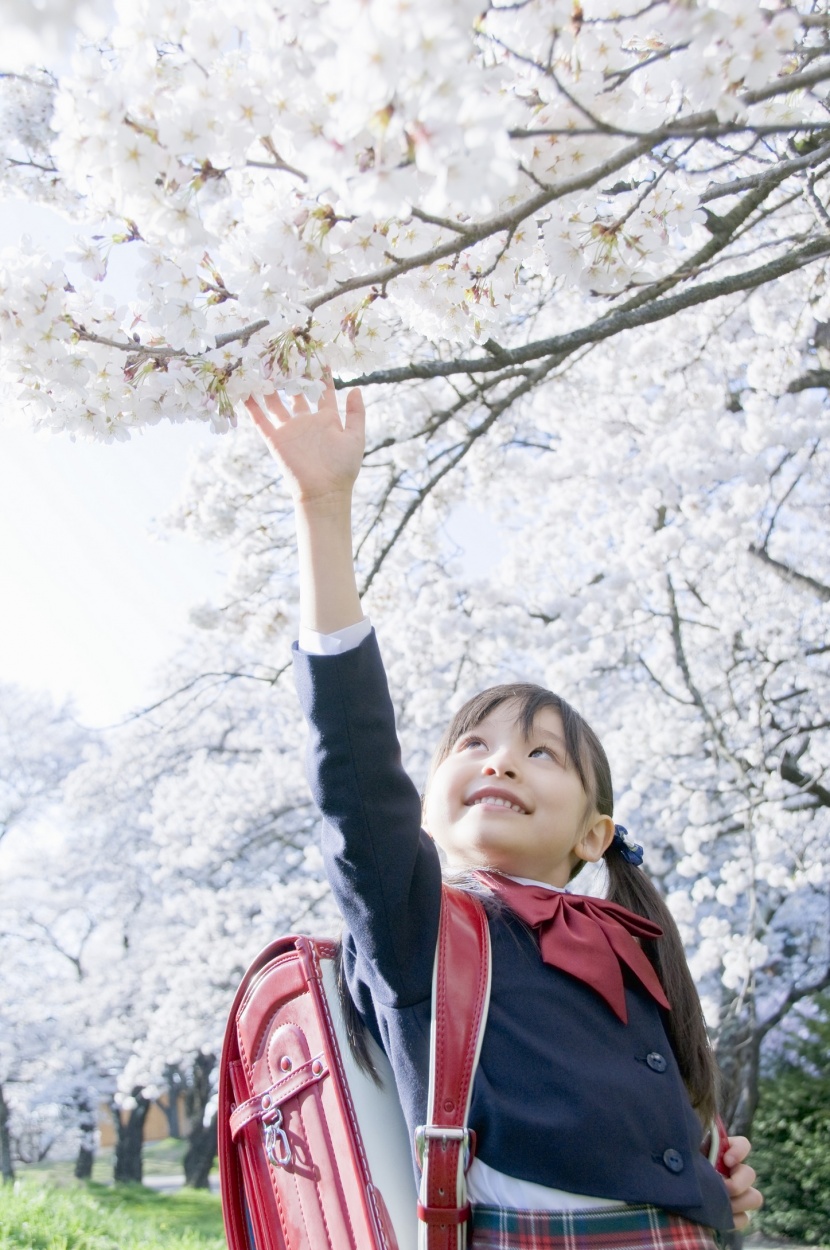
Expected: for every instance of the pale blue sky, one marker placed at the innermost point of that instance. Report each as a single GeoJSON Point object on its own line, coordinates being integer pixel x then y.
{"type": "Point", "coordinates": [91, 600]}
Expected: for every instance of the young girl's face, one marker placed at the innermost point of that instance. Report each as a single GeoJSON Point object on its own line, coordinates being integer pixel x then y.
{"type": "Point", "coordinates": [513, 803]}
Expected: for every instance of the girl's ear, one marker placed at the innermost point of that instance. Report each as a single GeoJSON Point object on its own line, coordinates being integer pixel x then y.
{"type": "Point", "coordinates": [595, 840]}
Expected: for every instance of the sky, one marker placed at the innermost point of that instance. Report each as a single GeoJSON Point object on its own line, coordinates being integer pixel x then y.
{"type": "Point", "coordinates": [94, 592]}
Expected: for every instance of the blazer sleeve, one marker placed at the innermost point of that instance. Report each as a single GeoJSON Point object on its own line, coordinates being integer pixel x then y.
{"type": "Point", "coordinates": [383, 869]}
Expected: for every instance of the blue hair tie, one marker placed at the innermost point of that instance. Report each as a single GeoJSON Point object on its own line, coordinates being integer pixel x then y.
{"type": "Point", "coordinates": [627, 847]}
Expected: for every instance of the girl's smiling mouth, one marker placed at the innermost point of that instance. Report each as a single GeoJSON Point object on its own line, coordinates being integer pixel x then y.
{"type": "Point", "coordinates": [496, 797]}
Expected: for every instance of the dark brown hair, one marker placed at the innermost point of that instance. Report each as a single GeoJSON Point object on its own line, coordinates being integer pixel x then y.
{"type": "Point", "coordinates": [627, 885]}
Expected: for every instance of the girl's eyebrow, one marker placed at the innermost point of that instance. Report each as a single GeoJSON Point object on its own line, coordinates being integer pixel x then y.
{"type": "Point", "coordinates": [549, 736]}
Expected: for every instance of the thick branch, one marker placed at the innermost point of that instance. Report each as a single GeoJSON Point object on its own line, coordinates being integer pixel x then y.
{"type": "Point", "coordinates": [788, 574]}
{"type": "Point", "coordinates": [813, 379]}
{"type": "Point", "coordinates": [794, 995]}
{"type": "Point", "coordinates": [723, 230]}
{"type": "Point", "coordinates": [614, 323]}
{"type": "Point", "coordinates": [791, 772]}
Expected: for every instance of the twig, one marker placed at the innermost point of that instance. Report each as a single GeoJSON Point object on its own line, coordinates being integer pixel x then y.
{"type": "Point", "coordinates": [443, 222]}
{"type": "Point", "coordinates": [783, 170]}
{"type": "Point", "coordinates": [168, 353]}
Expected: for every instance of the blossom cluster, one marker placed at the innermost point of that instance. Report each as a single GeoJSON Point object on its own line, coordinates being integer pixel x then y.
{"type": "Point", "coordinates": [332, 174]}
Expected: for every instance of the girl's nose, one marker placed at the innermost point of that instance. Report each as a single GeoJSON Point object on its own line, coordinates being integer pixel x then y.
{"type": "Point", "coordinates": [500, 764]}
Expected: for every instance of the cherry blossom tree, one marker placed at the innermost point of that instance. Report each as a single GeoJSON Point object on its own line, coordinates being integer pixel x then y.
{"type": "Point", "coordinates": [415, 192]}
{"type": "Point", "coordinates": [575, 254]}
{"type": "Point", "coordinates": [40, 745]}
{"type": "Point", "coordinates": [203, 834]}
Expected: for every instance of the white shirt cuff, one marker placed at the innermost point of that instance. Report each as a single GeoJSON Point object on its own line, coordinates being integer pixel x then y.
{"type": "Point", "coordinates": [334, 644]}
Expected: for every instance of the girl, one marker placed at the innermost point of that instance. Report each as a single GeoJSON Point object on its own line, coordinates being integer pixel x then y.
{"type": "Point", "coordinates": [595, 1062]}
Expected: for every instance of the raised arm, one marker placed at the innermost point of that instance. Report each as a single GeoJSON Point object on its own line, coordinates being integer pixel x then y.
{"type": "Point", "coordinates": [383, 870]}
{"type": "Point", "coordinates": [320, 456]}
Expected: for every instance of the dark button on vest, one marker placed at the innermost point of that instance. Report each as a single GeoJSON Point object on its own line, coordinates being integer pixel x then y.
{"type": "Point", "coordinates": [656, 1061]}
{"type": "Point", "coordinates": [673, 1160]}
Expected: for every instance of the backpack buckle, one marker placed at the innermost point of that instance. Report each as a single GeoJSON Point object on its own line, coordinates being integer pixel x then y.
{"type": "Point", "coordinates": [436, 1132]}
{"type": "Point", "coordinates": [277, 1145]}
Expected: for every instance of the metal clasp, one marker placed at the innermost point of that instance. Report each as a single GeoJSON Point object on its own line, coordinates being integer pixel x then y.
{"type": "Point", "coordinates": [434, 1132]}
{"type": "Point", "coordinates": [277, 1145]}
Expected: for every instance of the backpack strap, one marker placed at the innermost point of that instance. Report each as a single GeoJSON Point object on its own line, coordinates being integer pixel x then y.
{"type": "Point", "coordinates": [460, 998]}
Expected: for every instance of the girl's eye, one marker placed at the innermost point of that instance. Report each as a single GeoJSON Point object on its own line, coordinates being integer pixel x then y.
{"type": "Point", "coordinates": [470, 741]}
{"type": "Point", "coordinates": [544, 751]}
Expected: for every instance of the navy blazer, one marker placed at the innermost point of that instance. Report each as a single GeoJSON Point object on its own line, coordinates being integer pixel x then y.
{"type": "Point", "coordinates": [565, 1094]}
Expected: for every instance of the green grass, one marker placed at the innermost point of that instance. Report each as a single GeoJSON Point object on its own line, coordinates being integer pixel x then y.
{"type": "Point", "coordinates": [161, 1158]}
{"type": "Point", "coordinates": [36, 1216]}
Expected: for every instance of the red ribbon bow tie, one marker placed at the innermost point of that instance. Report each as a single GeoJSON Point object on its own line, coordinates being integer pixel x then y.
{"type": "Point", "coordinates": [590, 938]}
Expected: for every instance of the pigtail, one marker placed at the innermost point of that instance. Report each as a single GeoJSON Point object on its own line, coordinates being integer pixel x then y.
{"type": "Point", "coordinates": [356, 1033]}
{"type": "Point", "coordinates": [630, 887]}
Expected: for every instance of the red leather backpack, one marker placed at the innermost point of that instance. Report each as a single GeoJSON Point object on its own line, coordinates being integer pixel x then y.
{"type": "Point", "coordinates": [313, 1153]}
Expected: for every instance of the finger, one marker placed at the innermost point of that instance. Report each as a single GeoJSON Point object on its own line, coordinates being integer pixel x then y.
{"type": "Point", "coordinates": [328, 379]}
{"type": "Point", "coordinates": [355, 410]}
{"type": "Point", "coordinates": [260, 420]}
{"type": "Point", "coordinates": [277, 408]}
{"type": "Point", "coordinates": [300, 404]}
{"type": "Point", "coordinates": [741, 1180]}
{"type": "Point", "coordinates": [739, 1148]}
{"type": "Point", "coordinates": [749, 1200]}
{"type": "Point", "coordinates": [258, 416]}
{"type": "Point", "coordinates": [745, 1204]}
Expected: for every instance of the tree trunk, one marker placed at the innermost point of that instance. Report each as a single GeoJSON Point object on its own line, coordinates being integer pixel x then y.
{"type": "Point", "coordinates": [86, 1150]}
{"type": "Point", "coordinates": [175, 1085]}
{"type": "Point", "coordinates": [83, 1163]}
{"type": "Point", "coordinates": [739, 1060]}
{"type": "Point", "coordinates": [129, 1162]}
{"type": "Point", "coordinates": [201, 1152]}
{"type": "Point", "coordinates": [6, 1164]}
{"type": "Point", "coordinates": [201, 1148]}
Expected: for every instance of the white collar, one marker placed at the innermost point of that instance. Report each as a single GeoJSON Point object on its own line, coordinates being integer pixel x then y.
{"type": "Point", "coordinates": [530, 881]}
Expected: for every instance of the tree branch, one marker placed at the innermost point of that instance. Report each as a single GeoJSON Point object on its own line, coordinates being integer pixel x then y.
{"type": "Point", "coordinates": [703, 125]}
{"type": "Point", "coordinates": [794, 995]}
{"type": "Point", "coordinates": [791, 772]}
{"type": "Point", "coordinates": [189, 685]}
{"type": "Point", "coordinates": [774, 176]}
{"type": "Point", "coordinates": [493, 225]}
{"type": "Point", "coordinates": [161, 352]}
{"type": "Point", "coordinates": [788, 574]}
{"type": "Point", "coordinates": [814, 379]}
{"type": "Point", "coordinates": [495, 412]}
{"type": "Point", "coordinates": [608, 326]}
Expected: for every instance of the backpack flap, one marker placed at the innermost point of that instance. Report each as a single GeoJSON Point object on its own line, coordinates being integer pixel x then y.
{"type": "Point", "coordinates": [294, 1174]}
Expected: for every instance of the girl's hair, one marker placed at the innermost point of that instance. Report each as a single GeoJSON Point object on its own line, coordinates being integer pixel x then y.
{"type": "Point", "coordinates": [627, 885]}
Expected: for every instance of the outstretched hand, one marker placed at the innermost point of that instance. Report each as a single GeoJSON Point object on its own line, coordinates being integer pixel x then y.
{"type": "Point", "coordinates": [319, 453]}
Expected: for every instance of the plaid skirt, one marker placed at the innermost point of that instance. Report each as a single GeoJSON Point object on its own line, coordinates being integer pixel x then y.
{"type": "Point", "coordinates": [624, 1228]}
